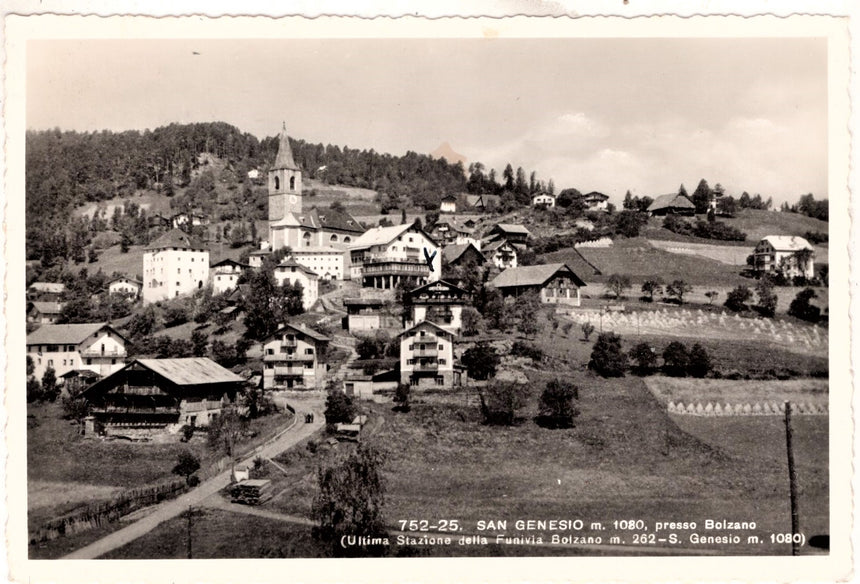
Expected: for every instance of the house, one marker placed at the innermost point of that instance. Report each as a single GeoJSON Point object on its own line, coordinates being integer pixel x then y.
{"type": "Point", "coordinates": [368, 314]}
{"type": "Point", "coordinates": [188, 218]}
{"type": "Point", "coordinates": [672, 204]}
{"type": "Point", "coordinates": [295, 273]}
{"type": "Point", "coordinates": [462, 254]}
{"type": "Point", "coordinates": [174, 264]}
{"type": "Point", "coordinates": [543, 199]}
{"type": "Point", "coordinates": [125, 285]}
{"type": "Point", "coordinates": [47, 291]}
{"type": "Point", "coordinates": [293, 358]}
{"type": "Point", "coordinates": [225, 275]}
{"type": "Point", "coordinates": [255, 258]}
{"type": "Point", "coordinates": [97, 347]}
{"type": "Point", "coordinates": [329, 263]}
{"type": "Point", "coordinates": [383, 257]}
{"type": "Point", "coordinates": [427, 356]}
{"type": "Point", "coordinates": [788, 255]}
{"type": "Point", "coordinates": [501, 253]}
{"type": "Point", "coordinates": [554, 283]}
{"type": "Point", "coordinates": [595, 201]}
{"type": "Point", "coordinates": [518, 235]}
{"type": "Point", "coordinates": [77, 380]}
{"type": "Point", "coordinates": [440, 302]}
{"type": "Point", "coordinates": [450, 230]}
{"type": "Point", "coordinates": [162, 395]}
{"type": "Point", "coordinates": [254, 174]}
{"type": "Point", "coordinates": [44, 312]}
{"type": "Point", "coordinates": [364, 386]}
{"type": "Point", "coordinates": [448, 205]}
{"type": "Point", "coordinates": [290, 224]}
{"type": "Point", "coordinates": [484, 203]}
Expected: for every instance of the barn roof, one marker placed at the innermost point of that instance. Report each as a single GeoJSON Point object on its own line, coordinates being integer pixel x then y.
{"type": "Point", "coordinates": [671, 200]}
{"type": "Point", "coordinates": [229, 262]}
{"type": "Point", "coordinates": [176, 238]}
{"type": "Point", "coordinates": [52, 287]}
{"type": "Point", "coordinates": [532, 276]}
{"type": "Point", "coordinates": [66, 334]}
{"type": "Point", "coordinates": [511, 228]}
{"type": "Point", "coordinates": [189, 371]}
{"type": "Point", "coordinates": [453, 251]}
{"type": "Point", "coordinates": [48, 307]}
{"type": "Point", "coordinates": [787, 242]}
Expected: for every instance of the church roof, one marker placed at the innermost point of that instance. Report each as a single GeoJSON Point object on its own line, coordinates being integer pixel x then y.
{"type": "Point", "coordinates": [285, 153]}
{"type": "Point", "coordinates": [322, 219]}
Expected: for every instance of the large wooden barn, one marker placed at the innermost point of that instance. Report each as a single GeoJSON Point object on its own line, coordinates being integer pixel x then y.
{"type": "Point", "coordinates": [162, 394]}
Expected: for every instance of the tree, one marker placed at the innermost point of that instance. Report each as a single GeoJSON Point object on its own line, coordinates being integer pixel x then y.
{"type": "Point", "coordinates": [699, 361]}
{"type": "Point", "coordinates": [50, 390]}
{"type": "Point", "coordinates": [629, 203]}
{"type": "Point", "coordinates": [186, 465]}
{"type": "Point", "coordinates": [471, 321]}
{"type": "Point", "coordinates": [199, 341]}
{"type": "Point", "coordinates": [527, 307]}
{"type": "Point", "coordinates": [736, 299]}
{"type": "Point", "coordinates": [224, 433]}
{"type": "Point", "coordinates": [701, 197]}
{"type": "Point", "coordinates": [34, 389]}
{"type": "Point", "coordinates": [645, 357]}
{"type": "Point", "coordinates": [651, 287]}
{"type": "Point", "coordinates": [607, 358]}
{"type": "Point", "coordinates": [617, 284]}
{"type": "Point", "coordinates": [401, 397]}
{"type": "Point", "coordinates": [629, 222]}
{"type": "Point", "coordinates": [500, 401]}
{"type": "Point", "coordinates": [676, 359]}
{"type": "Point", "coordinates": [557, 404]}
{"type": "Point", "coordinates": [349, 503]}
{"type": "Point", "coordinates": [339, 408]}
{"type": "Point", "coordinates": [587, 328]}
{"type": "Point", "coordinates": [802, 308]}
{"type": "Point", "coordinates": [711, 295]}
{"type": "Point", "coordinates": [767, 299]}
{"type": "Point", "coordinates": [481, 361]}
{"type": "Point", "coordinates": [677, 289]}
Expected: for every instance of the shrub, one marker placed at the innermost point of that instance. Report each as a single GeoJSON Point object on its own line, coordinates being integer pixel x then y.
{"type": "Point", "coordinates": [676, 359]}
{"type": "Point", "coordinates": [699, 361]}
{"type": "Point", "coordinates": [587, 329]}
{"type": "Point", "coordinates": [802, 308]}
{"type": "Point", "coordinates": [481, 361]}
{"type": "Point", "coordinates": [339, 408]}
{"type": "Point", "coordinates": [651, 287]}
{"type": "Point", "coordinates": [187, 432]}
{"type": "Point", "coordinates": [186, 465]}
{"type": "Point", "coordinates": [617, 284]}
{"type": "Point", "coordinates": [557, 407]}
{"type": "Point", "coordinates": [607, 358]}
{"type": "Point", "coordinates": [528, 350]}
{"type": "Point", "coordinates": [500, 401]}
{"type": "Point", "coordinates": [736, 299]}
{"type": "Point", "coordinates": [401, 397]}
{"type": "Point", "coordinates": [766, 298]}
{"type": "Point", "coordinates": [677, 289]}
{"type": "Point", "coordinates": [645, 356]}
{"type": "Point", "coordinates": [472, 321]}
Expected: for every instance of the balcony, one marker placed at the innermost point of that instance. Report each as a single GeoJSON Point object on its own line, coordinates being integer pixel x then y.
{"type": "Point", "coordinates": [292, 372]}
{"type": "Point", "coordinates": [427, 366]}
{"type": "Point", "coordinates": [141, 410]}
{"type": "Point", "coordinates": [427, 352]}
{"type": "Point", "coordinates": [284, 358]}
{"type": "Point", "coordinates": [413, 269]}
{"type": "Point", "coordinates": [91, 353]}
{"type": "Point", "coordinates": [289, 343]}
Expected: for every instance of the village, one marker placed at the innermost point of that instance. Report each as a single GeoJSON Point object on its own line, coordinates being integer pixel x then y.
{"type": "Point", "coordinates": [334, 331]}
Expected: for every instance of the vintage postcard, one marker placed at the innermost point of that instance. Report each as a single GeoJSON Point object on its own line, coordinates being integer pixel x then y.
{"type": "Point", "coordinates": [408, 299]}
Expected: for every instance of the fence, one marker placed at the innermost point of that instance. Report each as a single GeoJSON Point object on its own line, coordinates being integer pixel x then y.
{"type": "Point", "coordinates": [757, 409]}
{"type": "Point", "coordinates": [96, 514]}
{"type": "Point", "coordinates": [594, 243]}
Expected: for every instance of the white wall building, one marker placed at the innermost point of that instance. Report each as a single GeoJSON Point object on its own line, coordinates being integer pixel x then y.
{"type": "Point", "coordinates": [295, 273]}
{"type": "Point", "coordinates": [543, 199]}
{"type": "Point", "coordinates": [225, 275]}
{"type": "Point", "coordinates": [385, 256]}
{"type": "Point", "coordinates": [427, 356]}
{"type": "Point", "coordinates": [125, 286]}
{"type": "Point", "coordinates": [97, 347]}
{"type": "Point", "coordinates": [788, 255]}
{"type": "Point", "coordinates": [329, 263]}
{"type": "Point", "coordinates": [174, 264]}
{"type": "Point", "coordinates": [293, 358]}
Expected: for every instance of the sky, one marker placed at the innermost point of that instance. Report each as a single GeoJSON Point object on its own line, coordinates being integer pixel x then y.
{"type": "Point", "coordinates": [593, 114]}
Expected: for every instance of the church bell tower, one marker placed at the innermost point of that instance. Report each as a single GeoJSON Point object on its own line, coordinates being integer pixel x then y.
{"type": "Point", "coordinates": [285, 182]}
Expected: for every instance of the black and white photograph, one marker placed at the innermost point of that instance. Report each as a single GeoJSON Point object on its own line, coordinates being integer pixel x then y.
{"type": "Point", "coordinates": [329, 290]}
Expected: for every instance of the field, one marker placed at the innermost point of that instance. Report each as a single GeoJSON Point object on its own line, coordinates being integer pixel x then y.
{"type": "Point", "coordinates": [688, 390]}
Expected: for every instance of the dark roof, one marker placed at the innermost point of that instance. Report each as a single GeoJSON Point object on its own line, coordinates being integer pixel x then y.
{"type": "Point", "coordinates": [671, 200]}
{"type": "Point", "coordinates": [449, 198]}
{"type": "Point", "coordinates": [325, 219]}
{"type": "Point", "coordinates": [81, 373]}
{"type": "Point", "coordinates": [532, 276]}
{"type": "Point", "coordinates": [452, 252]}
{"type": "Point", "coordinates": [301, 329]}
{"type": "Point", "coordinates": [66, 334]}
{"type": "Point", "coordinates": [511, 228]}
{"type": "Point", "coordinates": [495, 244]}
{"type": "Point", "coordinates": [363, 302]}
{"type": "Point", "coordinates": [284, 158]}
{"type": "Point", "coordinates": [189, 371]}
{"type": "Point", "coordinates": [176, 238]}
{"type": "Point", "coordinates": [595, 195]}
{"type": "Point", "coordinates": [427, 322]}
{"type": "Point", "coordinates": [412, 293]}
{"type": "Point", "coordinates": [138, 282]}
{"type": "Point", "coordinates": [229, 262]}
{"type": "Point", "coordinates": [291, 263]}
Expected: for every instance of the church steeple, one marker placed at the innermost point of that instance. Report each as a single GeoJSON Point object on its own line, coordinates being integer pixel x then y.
{"type": "Point", "coordinates": [285, 153]}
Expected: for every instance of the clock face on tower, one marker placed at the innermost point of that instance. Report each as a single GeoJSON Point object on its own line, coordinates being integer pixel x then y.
{"type": "Point", "coordinates": [293, 199]}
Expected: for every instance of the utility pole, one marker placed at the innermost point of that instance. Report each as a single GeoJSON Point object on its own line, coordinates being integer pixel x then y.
{"type": "Point", "coordinates": [188, 538]}
{"type": "Point", "coordinates": [792, 483]}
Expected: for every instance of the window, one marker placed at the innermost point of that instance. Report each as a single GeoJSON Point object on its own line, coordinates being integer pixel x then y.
{"type": "Point", "coordinates": [441, 347]}
{"type": "Point", "coordinates": [50, 362]}
{"type": "Point", "coordinates": [89, 361]}
{"type": "Point", "coordinates": [309, 365]}
{"type": "Point", "coordinates": [440, 380]}
{"type": "Point", "coordinates": [270, 351]}
{"type": "Point", "coordinates": [309, 351]}
{"type": "Point", "coordinates": [441, 361]}
{"type": "Point", "coordinates": [113, 361]}
{"type": "Point", "coordinates": [410, 361]}
{"type": "Point", "coordinates": [64, 362]}
{"type": "Point", "coordinates": [413, 381]}
{"type": "Point", "coordinates": [277, 183]}
{"type": "Point", "coordinates": [292, 183]}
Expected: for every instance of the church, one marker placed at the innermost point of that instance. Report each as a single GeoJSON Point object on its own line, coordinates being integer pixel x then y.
{"type": "Point", "coordinates": [290, 223]}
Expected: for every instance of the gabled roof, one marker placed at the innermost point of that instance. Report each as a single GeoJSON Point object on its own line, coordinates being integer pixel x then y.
{"type": "Point", "coordinates": [452, 252]}
{"type": "Point", "coordinates": [178, 239]}
{"type": "Point", "coordinates": [189, 371]}
{"type": "Point", "coordinates": [671, 200]}
{"type": "Point", "coordinates": [542, 194]}
{"type": "Point", "coordinates": [449, 198]}
{"type": "Point", "coordinates": [532, 276]}
{"type": "Point", "coordinates": [316, 249]}
{"type": "Point", "coordinates": [229, 262]}
{"type": "Point", "coordinates": [596, 195]}
{"type": "Point", "coordinates": [420, 289]}
{"type": "Point", "coordinates": [52, 287]}
{"type": "Point", "coordinates": [291, 263]}
{"type": "Point", "coordinates": [385, 235]}
{"type": "Point", "coordinates": [85, 373]}
{"type": "Point", "coordinates": [66, 334]}
{"type": "Point", "coordinates": [427, 323]}
{"type": "Point", "coordinates": [260, 252]}
{"type": "Point", "coordinates": [495, 244]}
{"type": "Point", "coordinates": [482, 200]}
{"type": "Point", "coordinates": [301, 330]}
{"type": "Point", "coordinates": [511, 228]}
{"type": "Point", "coordinates": [787, 242]}
{"type": "Point", "coordinates": [47, 307]}
{"type": "Point", "coordinates": [284, 159]}
{"type": "Point", "coordinates": [322, 219]}
{"type": "Point", "coordinates": [125, 279]}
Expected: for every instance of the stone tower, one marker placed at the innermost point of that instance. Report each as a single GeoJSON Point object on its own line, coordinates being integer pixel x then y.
{"type": "Point", "coordinates": [285, 182]}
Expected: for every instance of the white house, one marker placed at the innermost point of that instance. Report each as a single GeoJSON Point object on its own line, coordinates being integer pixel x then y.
{"type": "Point", "coordinates": [295, 273]}
{"type": "Point", "coordinates": [788, 255]}
{"type": "Point", "coordinates": [124, 285]}
{"type": "Point", "coordinates": [255, 258]}
{"type": "Point", "coordinates": [174, 264]}
{"type": "Point", "coordinates": [44, 312]}
{"type": "Point", "coordinates": [544, 199]}
{"type": "Point", "coordinates": [293, 358]}
{"type": "Point", "coordinates": [440, 302]}
{"type": "Point", "coordinates": [501, 253]}
{"type": "Point", "coordinates": [329, 263]}
{"type": "Point", "coordinates": [595, 201]}
{"type": "Point", "coordinates": [97, 347]}
{"type": "Point", "coordinates": [448, 205]}
{"type": "Point", "coordinates": [225, 275]}
{"type": "Point", "coordinates": [427, 356]}
{"type": "Point", "coordinates": [554, 283]}
{"type": "Point", "coordinates": [383, 257]}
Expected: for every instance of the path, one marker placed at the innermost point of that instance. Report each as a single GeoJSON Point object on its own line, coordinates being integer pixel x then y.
{"type": "Point", "coordinates": [175, 507]}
